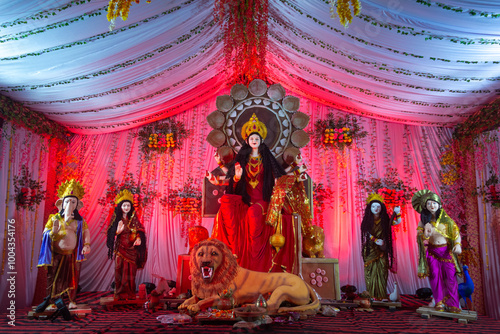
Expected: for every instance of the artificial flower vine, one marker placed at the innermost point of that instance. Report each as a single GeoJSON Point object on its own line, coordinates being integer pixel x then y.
{"type": "Point", "coordinates": [245, 30]}
{"type": "Point", "coordinates": [44, 14]}
{"type": "Point", "coordinates": [99, 36]}
{"type": "Point", "coordinates": [471, 12]}
{"type": "Point", "coordinates": [14, 112]}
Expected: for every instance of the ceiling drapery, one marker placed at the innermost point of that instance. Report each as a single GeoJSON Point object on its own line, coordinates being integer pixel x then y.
{"type": "Point", "coordinates": [412, 62]}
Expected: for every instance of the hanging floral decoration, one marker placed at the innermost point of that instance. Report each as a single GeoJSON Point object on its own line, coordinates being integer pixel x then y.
{"type": "Point", "coordinates": [28, 192]}
{"type": "Point", "coordinates": [483, 120]}
{"type": "Point", "coordinates": [491, 190]}
{"type": "Point", "coordinates": [186, 202]}
{"type": "Point", "coordinates": [245, 30]}
{"type": "Point", "coordinates": [16, 113]}
{"type": "Point", "coordinates": [452, 186]}
{"type": "Point", "coordinates": [469, 255]}
{"type": "Point", "coordinates": [163, 136]}
{"type": "Point", "coordinates": [337, 132]}
{"type": "Point", "coordinates": [343, 10]}
{"type": "Point", "coordinates": [392, 189]}
{"type": "Point", "coordinates": [322, 198]}
{"type": "Point", "coordinates": [119, 8]}
{"type": "Point", "coordinates": [142, 196]}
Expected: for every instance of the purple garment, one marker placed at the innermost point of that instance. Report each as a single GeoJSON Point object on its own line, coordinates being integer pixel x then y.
{"type": "Point", "coordinates": [442, 276]}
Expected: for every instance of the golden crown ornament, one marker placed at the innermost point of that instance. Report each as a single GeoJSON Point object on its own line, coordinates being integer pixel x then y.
{"type": "Point", "coordinates": [124, 195]}
{"type": "Point", "coordinates": [253, 126]}
{"type": "Point", "coordinates": [374, 197]}
{"type": "Point", "coordinates": [71, 188]}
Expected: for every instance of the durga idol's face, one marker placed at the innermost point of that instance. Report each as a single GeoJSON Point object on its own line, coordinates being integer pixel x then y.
{"type": "Point", "coordinates": [126, 207]}
{"type": "Point", "coordinates": [254, 141]}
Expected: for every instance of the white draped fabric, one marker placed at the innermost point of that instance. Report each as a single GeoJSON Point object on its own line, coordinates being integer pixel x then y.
{"type": "Point", "coordinates": [21, 232]}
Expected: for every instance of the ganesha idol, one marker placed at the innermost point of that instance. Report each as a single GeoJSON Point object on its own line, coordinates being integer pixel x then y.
{"type": "Point", "coordinates": [65, 241]}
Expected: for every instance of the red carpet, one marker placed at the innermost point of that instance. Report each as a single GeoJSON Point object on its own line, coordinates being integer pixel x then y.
{"type": "Point", "coordinates": [129, 320]}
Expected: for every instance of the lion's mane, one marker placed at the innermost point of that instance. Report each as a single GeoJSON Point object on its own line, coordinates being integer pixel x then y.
{"type": "Point", "coordinates": [223, 275]}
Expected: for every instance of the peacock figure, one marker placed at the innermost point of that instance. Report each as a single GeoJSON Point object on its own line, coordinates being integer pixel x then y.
{"type": "Point", "coordinates": [466, 288]}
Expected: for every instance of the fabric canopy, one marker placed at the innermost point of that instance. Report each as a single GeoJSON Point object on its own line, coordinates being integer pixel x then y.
{"type": "Point", "coordinates": [410, 62]}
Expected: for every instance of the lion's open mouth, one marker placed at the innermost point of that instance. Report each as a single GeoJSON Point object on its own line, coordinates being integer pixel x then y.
{"type": "Point", "coordinates": [207, 272]}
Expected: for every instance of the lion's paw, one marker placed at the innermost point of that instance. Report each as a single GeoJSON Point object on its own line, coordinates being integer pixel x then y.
{"type": "Point", "coordinates": [195, 308]}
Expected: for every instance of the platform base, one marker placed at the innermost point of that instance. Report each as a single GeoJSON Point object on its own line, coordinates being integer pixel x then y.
{"type": "Point", "coordinates": [341, 304]}
{"type": "Point", "coordinates": [110, 302]}
{"type": "Point", "coordinates": [388, 304]}
{"type": "Point", "coordinates": [81, 311]}
{"type": "Point", "coordinates": [463, 317]}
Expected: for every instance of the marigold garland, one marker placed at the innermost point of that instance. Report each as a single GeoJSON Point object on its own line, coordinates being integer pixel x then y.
{"type": "Point", "coordinates": [344, 11]}
{"type": "Point", "coordinates": [162, 137]}
{"type": "Point", "coordinates": [119, 8]}
{"type": "Point", "coordinates": [337, 132]}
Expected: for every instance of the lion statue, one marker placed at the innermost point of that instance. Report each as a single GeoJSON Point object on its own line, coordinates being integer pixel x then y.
{"type": "Point", "coordinates": [313, 242]}
{"type": "Point", "coordinates": [214, 268]}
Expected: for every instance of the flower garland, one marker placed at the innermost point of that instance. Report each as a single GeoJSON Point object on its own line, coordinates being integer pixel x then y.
{"type": "Point", "coordinates": [44, 14]}
{"type": "Point", "coordinates": [483, 120]}
{"type": "Point", "coordinates": [186, 202]}
{"type": "Point", "coordinates": [163, 136]}
{"type": "Point", "coordinates": [14, 112]}
{"type": "Point", "coordinates": [99, 36]}
{"type": "Point", "coordinates": [344, 11]}
{"type": "Point", "coordinates": [28, 192]}
{"type": "Point", "coordinates": [345, 107]}
{"type": "Point", "coordinates": [64, 23]}
{"type": "Point", "coordinates": [337, 132]}
{"type": "Point", "coordinates": [394, 191]}
{"type": "Point", "coordinates": [245, 29]}
{"type": "Point", "coordinates": [367, 42]}
{"type": "Point", "coordinates": [490, 191]}
{"type": "Point", "coordinates": [119, 8]}
{"type": "Point", "coordinates": [142, 196]}
{"type": "Point", "coordinates": [403, 30]}
{"type": "Point", "coordinates": [471, 12]}
{"type": "Point", "coordinates": [322, 197]}
{"type": "Point", "coordinates": [119, 67]}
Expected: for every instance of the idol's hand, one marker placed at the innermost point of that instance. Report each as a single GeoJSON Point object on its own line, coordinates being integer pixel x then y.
{"type": "Point", "coordinates": [238, 171]}
{"type": "Point", "coordinates": [211, 178]}
{"type": "Point", "coordinates": [397, 210]}
{"type": "Point", "coordinates": [137, 242]}
{"type": "Point", "coordinates": [55, 226]}
{"type": "Point", "coordinates": [86, 249]}
{"type": "Point", "coordinates": [298, 160]}
{"type": "Point", "coordinates": [217, 157]}
{"type": "Point", "coordinates": [121, 227]}
{"type": "Point", "coordinates": [428, 229]}
{"type": "Point", "coordinates": [379, 242]}
{"type": "Point", "coordinates": [457, 249]}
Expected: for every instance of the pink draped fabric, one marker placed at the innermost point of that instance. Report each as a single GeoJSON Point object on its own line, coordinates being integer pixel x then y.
{"type": "Point", "coordinates": [414, 151]}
